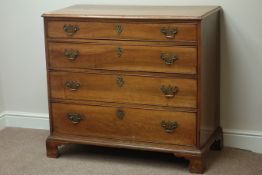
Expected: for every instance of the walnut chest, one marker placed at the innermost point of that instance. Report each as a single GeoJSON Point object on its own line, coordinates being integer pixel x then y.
{"type": "Point", "coordinates": [135, 77]}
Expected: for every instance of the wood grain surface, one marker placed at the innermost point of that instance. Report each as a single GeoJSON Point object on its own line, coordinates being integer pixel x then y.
{"type": "Point", "coordinates": [136, 89]}
{"type": "Point", "coordinates": [132, 58]}
{"type": "Point", "coordinates": [130, 30]}
{"type": "Point", "coordinates": [136, 125]}
{"type": "Point", "coordinates": [134, 12]}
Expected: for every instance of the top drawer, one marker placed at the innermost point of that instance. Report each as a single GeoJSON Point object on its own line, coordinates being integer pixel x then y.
{"type": "Point", "coordinates": [122, 31]}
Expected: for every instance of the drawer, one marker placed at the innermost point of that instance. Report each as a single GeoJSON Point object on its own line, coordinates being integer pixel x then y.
{"type": "Point", "coordinates": [124, 123]}
{"type": "Point", "coordinates": [124, 89]}
{"type": "Point", "coordinates": [128, 57]}
{"type": "Point", "coordinates": [122, 31]}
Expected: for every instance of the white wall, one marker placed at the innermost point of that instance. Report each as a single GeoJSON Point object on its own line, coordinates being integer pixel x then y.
{"type": "Point", "coordinates": [1, 96]}
{"type": "Point", "coordinates": [23, 60]}
{"type": "Point", "coordinates": [2, 122]}
{"type": "Point", "coordinates": [1, 64]}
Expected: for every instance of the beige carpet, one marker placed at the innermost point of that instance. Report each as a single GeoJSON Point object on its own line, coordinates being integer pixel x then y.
{"type": "Point", "coordinates": [22, 152]}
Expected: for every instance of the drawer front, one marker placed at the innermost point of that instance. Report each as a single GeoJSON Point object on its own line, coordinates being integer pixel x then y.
{"type": "Point", "coordinates": [124, 89]}
{"type": "Point", "coordinates": [125, 31]}
{"type": "Point", "coordinates": [170, 59]}
{"type": "Point", "coordinates": [124, 123]}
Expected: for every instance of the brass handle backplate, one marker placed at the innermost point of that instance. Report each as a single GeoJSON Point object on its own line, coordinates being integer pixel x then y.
{"type": "Point", "coordinates": [169, 126]}
{"type": "Point", "coordinates": [71, 54]}
{"type": "Point", "coordinates": [72, 85]}
{"type": "Point", "coordinates": [119, 28]}
{"type": "Point", "coordinates": [169, 32]}
{"type": "Point", "coordinates": [74, 117]}
{"type": "Point", "coordinates": [120, 114]}
{"type": "Point", "coordinates": [120, 81]}
{"type": "Point", "coordinates": [169, 91]}
{"type": "Point", "coordinates": [70, 30]}
{"type": "Point", "coordinates": [169, 59]}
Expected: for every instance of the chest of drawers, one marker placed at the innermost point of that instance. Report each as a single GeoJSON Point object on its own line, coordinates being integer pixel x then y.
{"type": "Point", "coordinates": [134, 77]}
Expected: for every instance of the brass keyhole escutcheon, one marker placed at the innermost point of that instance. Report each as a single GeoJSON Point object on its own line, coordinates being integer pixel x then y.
{"type": "Point", "coordinates": [120, 81]}
{"type": "Point", "coordinates": [120, 114]}
{"type": "Point", "coordinates": [119, 51]}
{"type": "Point", "coordinates": [118, 29]}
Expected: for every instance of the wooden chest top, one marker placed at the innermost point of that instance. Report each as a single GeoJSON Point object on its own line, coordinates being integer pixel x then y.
{"type": "Point", "coordinates": [135, 12]}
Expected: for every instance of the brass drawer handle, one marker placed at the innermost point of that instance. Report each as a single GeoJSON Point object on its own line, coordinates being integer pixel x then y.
{"type": "Point", "coordinates": [72, 85]}
{"type": "Point", "coordinates": [119, 51]}
{"type": "Point", "coordinates": [169, 32]}
{"type": "Point", "coordinates": [71, 54]}
{"type": "Point", "coordinates": [169, 59]}
{"type": "Point", "coordinates": [120, 81]}
{"type": "Point", "coordinates": [70, 30]}
{"type": "Point", "coordinates": [74, 118]}
{"type": "Point", "coordinates": [169, 126]}
{"type": "Point", "coordinates": [169, 91]}
{"type": "Point", "coordinates": [119, 29]}
{"type": "Point", "coordinates": [120, 114]}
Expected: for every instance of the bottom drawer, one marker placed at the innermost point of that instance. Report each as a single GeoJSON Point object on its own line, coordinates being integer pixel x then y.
{"type": "Point", "coordinates": [124, 123]}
